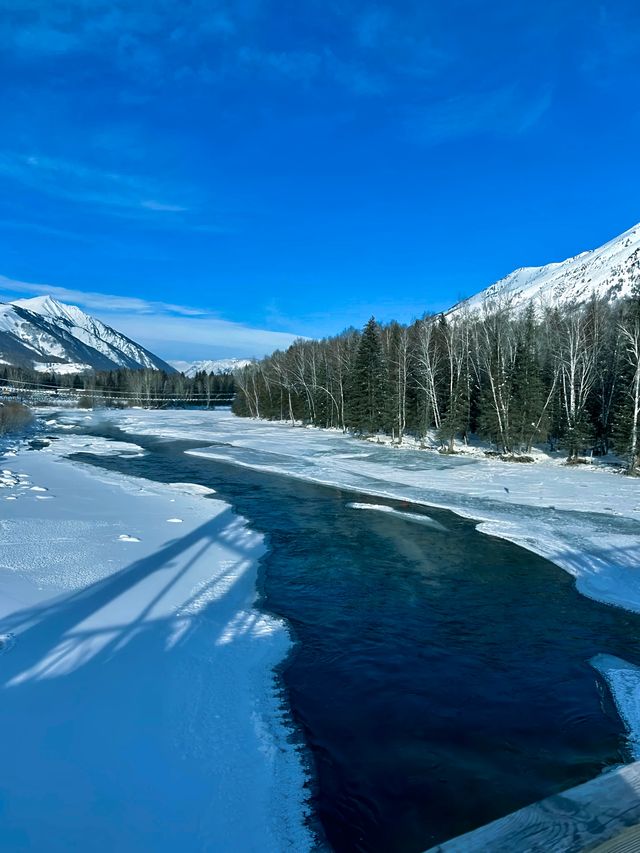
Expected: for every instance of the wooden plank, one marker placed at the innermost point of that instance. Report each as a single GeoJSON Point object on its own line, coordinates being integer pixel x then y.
{"type": "Point", "coordinates": [581, 819]}
{"type": "Point", "coordinates": [627, 842]}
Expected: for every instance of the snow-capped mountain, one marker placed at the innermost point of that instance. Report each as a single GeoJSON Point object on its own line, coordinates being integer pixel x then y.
{"type": "Point", "coordinates": [44, 334]}
{"type": "Point", "coordinates": [607, 273]}
{"type": "Point", "coordinates": [220, 365]}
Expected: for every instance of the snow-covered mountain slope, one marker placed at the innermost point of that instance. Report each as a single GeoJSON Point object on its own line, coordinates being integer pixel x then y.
{"type": "Point", "coordinates": [44, 334]}
{"type": "Point", "coordinates": [607, 273]}
{"type": "Point", "coordinates": [220, 365]}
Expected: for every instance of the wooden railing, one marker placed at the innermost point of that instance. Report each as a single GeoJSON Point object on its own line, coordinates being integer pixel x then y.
{"type": "Point", "coordinates": [601, 816]}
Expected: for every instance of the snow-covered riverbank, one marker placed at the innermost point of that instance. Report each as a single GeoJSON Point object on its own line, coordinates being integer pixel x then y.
{"type": "Point", "coordinates": [139, 709]}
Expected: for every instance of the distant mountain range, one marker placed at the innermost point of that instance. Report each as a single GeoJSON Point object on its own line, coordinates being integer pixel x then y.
{"type": "Point", "coordinates": [608, 272]}
{"type": "Point", "coordinates": [46, 335]}
{"type": "Point", "coordinates": [220, 365]}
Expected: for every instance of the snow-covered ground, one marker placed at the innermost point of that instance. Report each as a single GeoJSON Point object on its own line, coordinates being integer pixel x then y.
{"type": "Point", "coordinates": [138, 706]}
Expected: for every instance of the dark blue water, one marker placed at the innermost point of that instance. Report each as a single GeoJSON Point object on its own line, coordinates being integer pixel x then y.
{"type": "Point", "coordinates": [440, 678]}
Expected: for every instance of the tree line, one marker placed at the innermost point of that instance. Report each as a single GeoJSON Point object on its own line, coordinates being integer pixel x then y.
{"type": "Point", "coordinates": [152, 388]}
{"type": "Point", "coordinates": [568, 377]}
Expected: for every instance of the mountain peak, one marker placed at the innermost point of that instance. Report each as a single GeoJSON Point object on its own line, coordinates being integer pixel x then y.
{"type": "Point", "coordinates": [608, 272]}
{"type": "Point", "coordinates": [48, 306]}
{"type": "Point", "coordinates": [44, 334]}
{"type": "Point", "coordinates": [39, 304]}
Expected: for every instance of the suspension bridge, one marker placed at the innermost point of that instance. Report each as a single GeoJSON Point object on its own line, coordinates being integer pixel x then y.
{"type": "Point", "coordinates": [48, 394]}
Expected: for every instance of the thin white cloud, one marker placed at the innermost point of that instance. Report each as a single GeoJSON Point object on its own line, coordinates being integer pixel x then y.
{"type": "Point", "coordinates": [498, 112]}
{"type": "Point", "coordinates": [74, 25]}
{"type": "Point", "coordinates": [46, 230]}
{"type": "Point", "coordinates": [210, 40]}
{"type": "Point", "coordinates": [373, 26]}
{"type": "Point", "coordinates": [163, 207]}
{"type": "Point", "coordinates": [78, 182]}
{"type": "Point", "coordinates": [170, 330]}
{"type": "Point", "coordinates": [198, 337]}
{"type": "Point", "coordinates": [94, 301]}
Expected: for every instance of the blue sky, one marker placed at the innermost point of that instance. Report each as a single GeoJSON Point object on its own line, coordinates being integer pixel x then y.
{"type": "Point", "coordinates": [215, 178]}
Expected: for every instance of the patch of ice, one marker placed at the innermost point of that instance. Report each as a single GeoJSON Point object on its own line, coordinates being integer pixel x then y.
{"type": "Point", "coordinates": [192, 488]}
{"type": "Point", "coordinates": [96, 445]}
{"type": "Point", "coordinates": [623, 679]}
{"type": "Point", "coordinates": [124, 537]}
{"type": "Point", "coordinates": [7, 642]}
{"type": "Point", "coordinates": [407, 516]}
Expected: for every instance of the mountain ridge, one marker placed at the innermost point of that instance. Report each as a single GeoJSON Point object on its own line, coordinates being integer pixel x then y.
{"type": "Point", "coordinates": [215, 365]}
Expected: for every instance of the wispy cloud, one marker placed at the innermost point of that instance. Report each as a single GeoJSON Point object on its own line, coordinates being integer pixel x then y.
{"type": "Point", "coordinates": [307, 67]}
{"type": "Point", "coordinates": [205, 337]}
{"type": "Point", "coordinates": [87, 184]}
{"type": "Point", "coordinates": [94, 301]}
{"type": "Point", "coordinates": [163, 207]}
{"type": "Point", "coordinates": [363, 50]}
{"type": "Point", "coordinates": [77, 25]}
{"type": "Point", "coordinates": [612, 44]}
{"type": "Point", "coordinates": [504, 111]}
{"type": "Point", "coordinates": [372, 26]}
{"type": "Point", "coordinates": [45, 230]}
{"type": "Point", "coordinates": [108, 193]}
{"type": "Point", "coordinates": [173, 331]}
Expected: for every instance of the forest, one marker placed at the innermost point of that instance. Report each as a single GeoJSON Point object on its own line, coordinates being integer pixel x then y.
{"type": "Point", "coordinates": [561, 377]}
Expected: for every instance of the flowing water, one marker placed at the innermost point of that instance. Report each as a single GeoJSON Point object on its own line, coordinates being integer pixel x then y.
{"type": "Point", "coordinates": [440, 677]}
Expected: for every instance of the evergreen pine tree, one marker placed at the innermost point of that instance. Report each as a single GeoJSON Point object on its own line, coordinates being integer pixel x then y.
{"type": "Point", "coordinates": [527, 387]}
{"type": "Point", "coordinates": [366, 386]}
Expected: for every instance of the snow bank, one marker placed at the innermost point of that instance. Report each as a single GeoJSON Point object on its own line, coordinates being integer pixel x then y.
{"type": "Point", "coordinates": [138, 705]}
